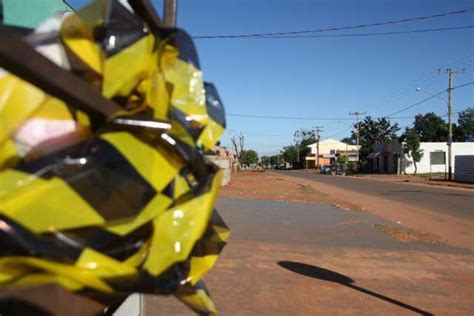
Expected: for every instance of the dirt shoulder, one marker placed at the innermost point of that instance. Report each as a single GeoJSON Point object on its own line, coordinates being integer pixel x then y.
{"type": "Point", "coordinates": [272, 187]}
{"type": "Point", "coordinates": [410, 223]}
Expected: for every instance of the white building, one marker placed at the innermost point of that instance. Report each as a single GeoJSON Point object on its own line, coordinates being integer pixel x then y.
{"type": "Point", "coordinates": [457, 149]}
{"type": "Point", "coordinates": [328, 149]}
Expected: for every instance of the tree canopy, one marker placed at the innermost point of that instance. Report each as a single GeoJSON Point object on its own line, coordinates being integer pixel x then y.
{"type": "Point", "coordinates": [373, 132]}
{"type": "Point", "coordinates": [289, 154]}
{"type": "Point", "coordinates": [430, 128]}
{"type": "Point", "coordinates": [349, 140]}
{"type": "Point", "coordinates": [412, 146]}
{"type": "Point", "coordinates": [465, 127]}
{"type": "Point", "coordinates": [249, 157]}
{"type": "Point", "coordinates": [303, 138]}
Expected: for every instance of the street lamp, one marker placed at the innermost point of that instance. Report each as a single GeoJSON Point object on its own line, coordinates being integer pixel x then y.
{"type": "Point", "coordinates": [432, 94]}
{"type": "Point", "coordinates": [450, 127]}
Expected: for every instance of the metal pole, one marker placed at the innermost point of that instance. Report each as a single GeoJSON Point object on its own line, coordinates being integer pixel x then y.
{"type": "Point", "coordinates": [318, 129]}
{"type": "Point", "coordinates": [297, 138]}
{"type": "Point", "coordinates": [170, 13]}
{"type": "Point", "coordinates": [358, 134]}
{"type": "Point", "coordinates": [357, 139]}
{"type": "Point", "coordinates": [450, 126]}
{"type": "Point", "coordinates": [317, 152]}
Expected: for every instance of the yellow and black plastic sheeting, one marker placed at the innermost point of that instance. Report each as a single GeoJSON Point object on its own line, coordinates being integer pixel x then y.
{"type": "Point", "coordinates": [108, 202]}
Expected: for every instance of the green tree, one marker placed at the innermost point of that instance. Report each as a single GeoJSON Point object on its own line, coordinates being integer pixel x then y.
{"type": "Point", "coordinates": [249, 157]}
{"type": "Point", "coordinates": [373, 132]}
{"type": "Point", "coordinates": [274, 160]}
{"type": "Point", "coordinates": [430, 128]}
{"type": "Point", "coordinates": [343, 160]}
{"type": "Point", "coordinates": [349, 140]}
{"type": "Point", "coordinates": [289, 154]}
{"type": "Point", "coordinates": [412, 146]}
{"type": "Point", "coordinates": [269, 160]}
{"type": "Point", "coordinates": [303, 138]}
{"type": "Point", "coordinates": [465, 127]}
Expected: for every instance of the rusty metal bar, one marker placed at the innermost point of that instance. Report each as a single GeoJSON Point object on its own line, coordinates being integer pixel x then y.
{"type": "Point", "coordinates": [21, 59]}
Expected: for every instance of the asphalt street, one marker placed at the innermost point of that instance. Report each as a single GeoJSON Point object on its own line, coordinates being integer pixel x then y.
{"type": "Point", "coordinates": [313, 224]}
{"type": "Point", "coordinates": [457, 203]}
{"type": "Point", "coordinates": [287, 258]}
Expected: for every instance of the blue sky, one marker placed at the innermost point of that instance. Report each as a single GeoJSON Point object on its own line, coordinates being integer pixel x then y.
{"type": "Point", "coordinates": [326, 77]}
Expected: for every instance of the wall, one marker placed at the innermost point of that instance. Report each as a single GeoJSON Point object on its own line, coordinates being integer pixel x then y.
{"type": "Point", "coordinates": [224, 163]}
{"type": "Point", "coordinates": [466, 148]}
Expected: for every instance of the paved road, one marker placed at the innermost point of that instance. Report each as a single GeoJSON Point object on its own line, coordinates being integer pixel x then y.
{"type": "Point", "coordinates": [458, 203]}
{"type": "Point", "coordinates": [312, 223]}
{"type": "Point", "coordinates": [288, 258]}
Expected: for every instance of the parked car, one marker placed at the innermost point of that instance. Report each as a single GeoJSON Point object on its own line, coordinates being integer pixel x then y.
{"type": "Point", "coordinates": [326, 169]}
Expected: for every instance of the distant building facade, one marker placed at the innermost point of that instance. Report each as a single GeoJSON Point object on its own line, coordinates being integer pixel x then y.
{"type": "Point", "coordinates": [389, 158]}
{"type": "Point", "coordinates": [226, 160]}
{"type": "Point", "coordinates": [457, 149]}
{"type": "Point", "coordinates": [385, 157]}
{"type": "Point", "coordinates": [329, 149]}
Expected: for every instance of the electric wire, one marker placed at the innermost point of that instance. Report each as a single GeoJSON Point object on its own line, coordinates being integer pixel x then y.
{"type": "Point", "coordinates": [426, 99]}
{"type": "Point", "coordinates": [289, 117]}
{"type": "Point", "coordinates": [306, 118]}
{"type": "Point", "coordinates": [373, 33]}
{"type": "Point", "coordinates": [401, 92]}
{"type": "Point", "coordinates": [332, 29]}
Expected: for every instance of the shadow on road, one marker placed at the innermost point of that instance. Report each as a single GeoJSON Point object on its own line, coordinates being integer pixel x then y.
{"type": "Point", "coordinates": [331, 276]}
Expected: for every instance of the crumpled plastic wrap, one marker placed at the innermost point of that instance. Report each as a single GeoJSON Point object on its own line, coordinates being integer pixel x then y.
{"type": "Point", "coordinates": [109, 205]}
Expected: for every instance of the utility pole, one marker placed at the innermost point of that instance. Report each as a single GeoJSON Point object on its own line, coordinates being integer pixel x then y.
{"type": "Point", "coordinates": [358, 133]}
{"type": "Point", "coordinates": [298, 137]}
{"type": "Point", "coordinates": [450, 73]}
{"type": "Point", "coordinates": [170, 9]}
{"type": "Point", "coordinates": [317, 130]}
{"type": "Point", "coordinates": [450, 125]}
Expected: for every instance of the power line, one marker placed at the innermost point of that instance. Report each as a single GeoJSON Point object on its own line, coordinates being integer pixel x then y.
{"type": "Point", "coordinates": [306, 118]}
{"type": "Point", "coordinates": [399, 93]}
{"type": "Point", "coordinates": [289, 117]}
{"type": "Point", "coordinates": [406, 117]}
{"type": "Point", "coordinates": [375, 33]}
{"type": "Point", "coordinates": [415, 104]}
{"type": "Point", "coordinates": [463, 85]}
{"type": "Point", "coordinates": [351, 27]}
{"type": "Point", "coordinates": [426, 99]}
{"type": "Point", "coordinates": [339, 133]}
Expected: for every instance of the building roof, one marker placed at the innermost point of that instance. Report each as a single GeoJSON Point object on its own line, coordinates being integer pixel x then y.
{"type": "Point", "coordinates": [327, 145]}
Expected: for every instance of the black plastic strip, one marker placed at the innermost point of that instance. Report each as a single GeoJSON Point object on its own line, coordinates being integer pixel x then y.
{"type": "Point", "coordinates": [146, 10]}
{"type": "Point", "coordinates": [17, 240]}
{"type": "Point", "coordinates": [215, 108]}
